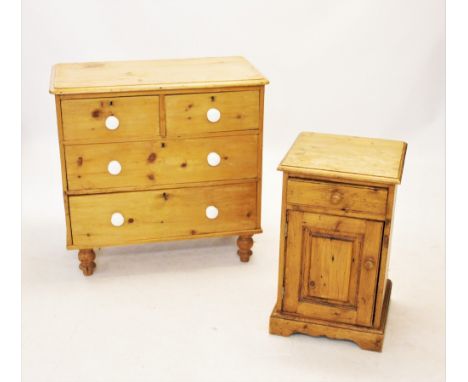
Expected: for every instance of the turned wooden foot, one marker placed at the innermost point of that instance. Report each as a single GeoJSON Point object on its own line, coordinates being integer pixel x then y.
{"type": "Point", "coordinates": [87, 264]}
{"type": "Point", "coordinates": [245, 244]}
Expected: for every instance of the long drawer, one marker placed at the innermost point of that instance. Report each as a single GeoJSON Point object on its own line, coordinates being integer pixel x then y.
{"type": "Point", "coordinates": [110, 119]}
{"type": "Point", "coordinates": [129, 217]}
{"type": "Point", "coordinates": [150, 163]}
{"type": "Point", "coordinates": [190, 114]}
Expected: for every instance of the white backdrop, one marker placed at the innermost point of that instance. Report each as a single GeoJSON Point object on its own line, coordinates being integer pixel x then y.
{"type": "Point", "coordinates": [368, 68]}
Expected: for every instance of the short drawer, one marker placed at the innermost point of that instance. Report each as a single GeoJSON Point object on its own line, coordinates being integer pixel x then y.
{"type": "Point", "coordinates": [150, 163]}
{"type": "Point", "coordinates": [108, 119]}
{"type": "Point", "coordinates": [129, 217]}
{"type": "Point", "coordinates": [212, 112]}
{"type": "Point", "coordinates": [338, 198]}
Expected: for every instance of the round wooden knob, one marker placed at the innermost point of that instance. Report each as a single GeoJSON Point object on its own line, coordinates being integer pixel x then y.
{"type": "Point", "coordinates": [213, 159]}
{"type": "Point", "coordinates": [112, 122]}
{"type": "Point", "coordinates": [311, 284]}
{"type": "Point", "coordinates": [369, 264]}
{"type": "Point", "coordinates": [114, 167]}
{"type": "Point", "coordinates": [336, 197]}
{"type": "Point", "coordinates": [211, 212]}
{"type": "Point", "coordinates": [213, 115]}
{"type": "Point", "coordinates": [117, 219]}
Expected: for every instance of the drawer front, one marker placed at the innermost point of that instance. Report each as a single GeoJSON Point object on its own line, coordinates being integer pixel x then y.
{"type": "Point", "coordinates": [145, 164]}
{"type": "Point", "coordinates": [338, 198]}
{"type": "Point", "coordinates": [212, 112]}
{"type": "Point", "coordinates": [108, 119]}
{"type": "Point", "coordinates": [129, 217]}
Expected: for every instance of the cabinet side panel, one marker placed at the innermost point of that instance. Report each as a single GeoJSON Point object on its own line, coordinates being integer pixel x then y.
{"type": "Point", "coordinates": [58, 108]}
{"type": "Point", "coordinates": [260, 157]}
{"type": "Point", "coordinates": [282, 254]}
{"type": "Point", "coordinates": [384, 259]}
{"type": "Point", "coordinates": [292, 263]}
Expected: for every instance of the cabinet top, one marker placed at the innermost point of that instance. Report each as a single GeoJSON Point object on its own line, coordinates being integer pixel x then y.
{"type": "Point", "coordinates": [116, 76]}
{"type": "Point", "coordinates": [346, 158]}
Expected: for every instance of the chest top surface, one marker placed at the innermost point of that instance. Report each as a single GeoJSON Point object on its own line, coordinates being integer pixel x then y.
{"type": "Point", "coordinates": [346, 158]}
{"type": "Point", "coordinates": [101, 77]}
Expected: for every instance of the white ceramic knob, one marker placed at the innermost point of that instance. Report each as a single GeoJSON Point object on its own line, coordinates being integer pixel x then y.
{"type": "Point", "coordinates": [117, 219]}
{"type": "Point", "coordinates": [213, 159]}
{"type": "Point", "coordinates": [112, 122]}
{"type": "Point", "coordinates": [213, 115]}
{"type": "Point", "coordinates": [114, 167]}
{"type": "Point", "coordinates": [211, 212]}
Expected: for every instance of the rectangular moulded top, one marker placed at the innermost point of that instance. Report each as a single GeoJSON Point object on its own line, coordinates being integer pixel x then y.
{"type": "Point", "coordinates": [120, 76]}
{"type": "Point", "coordinates": [346, 158]}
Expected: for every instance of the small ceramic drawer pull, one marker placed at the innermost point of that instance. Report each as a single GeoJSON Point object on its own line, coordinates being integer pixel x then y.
{"type": "Point", "coordinates": [211, 212]}
{"type": "Point", "coordinates": [336, 197]}
{"type": "Point", "coordinates": [112, 122]}
{"type": "Point", "coordinates": [213, 115]}
{"type": "Point", "coordinates": [213, 159]}
{"type": "Point", "coordinates": [117, 219]}
{"type": "Point", "coordinates": [114, 167]}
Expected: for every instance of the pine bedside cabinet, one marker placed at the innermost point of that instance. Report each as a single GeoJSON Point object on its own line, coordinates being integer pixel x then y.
{"type": "Point", "coordinates": [159, 150]}
{"type": "Point", "coordinates": [338, 199]}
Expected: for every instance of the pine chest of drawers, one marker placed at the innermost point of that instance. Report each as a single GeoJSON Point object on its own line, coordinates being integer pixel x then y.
{"type": "Point", "coordinates": [159, 150]}
{"type": "Point", "coordinates": [337, 214]}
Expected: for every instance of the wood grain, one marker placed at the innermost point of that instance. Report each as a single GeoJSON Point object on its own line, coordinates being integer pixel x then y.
{"type": "Point", "coordinates": [162, 92]}
{"type": "Point", "coordinates": [337, 211]}
{"type": "Point", "coordinates": [161, 214]}
{"type": "Point", "coordinates": [338, 198]}
{"type": "Point", "coordinates": [328, 268]}
{"type": "Point", "coordinates": [160, 187]}
{"type": "Point", "coordinates": [118, 76]}
{"type": "Point", "coordinates": [58, 111]}
{"type": "Point", "coordinates": [261, 94]}
{"type": "Point", "coordinates": [154, 163]}
{"type": "Point", "coordinates": [84, 119]}
{"type": "Point", "coordinates": [344, 158]}
{"type": "Point", "coordinates": [317, 270]}
{"type": "Point", "coordinates": [159, 152]}
{"type": "Point", "coordinates": [283, 239]}
{"type": "Point", "coordinates": [384, 256]}
{"type": "Point", "coordinates": [187, 114]}
{"type": "Point", "coordinates": [372, 339]}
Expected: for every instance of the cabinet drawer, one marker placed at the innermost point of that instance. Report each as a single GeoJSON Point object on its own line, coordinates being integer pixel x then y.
{"type": "Point", "coordinates": [339, 198]}
{"type": "Point", "coordinates": [164, 214]}
{"type": "Point", "coordinates": [212, 112]}
{"type": "Point", "coordinates": [108, 119]}
{"type": "Point", "coordinates": [150, 163]}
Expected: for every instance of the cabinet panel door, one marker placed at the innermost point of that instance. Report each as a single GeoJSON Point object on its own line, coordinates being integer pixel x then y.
{"type": "Point", "coordinates": [331, 267]}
